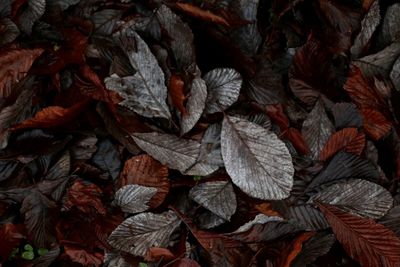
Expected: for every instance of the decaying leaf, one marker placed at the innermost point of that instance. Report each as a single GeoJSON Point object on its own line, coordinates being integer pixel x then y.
{"type": "Point", "coordinates": [218, 197]}
{"type": "Point", "coordinates": [358, 197]}
{"type": "Point", "coordinates": [364, 240]}
{"type": "Point", "coordinates": [256, 160]}
{"type": "Point", "coordinates": [223, 89]}
{"type": "Point", "coordinates": [140, 232]}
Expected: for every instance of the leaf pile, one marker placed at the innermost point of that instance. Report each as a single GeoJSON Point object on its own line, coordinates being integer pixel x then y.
{"type": "Point", "coordinates": [199, 133]}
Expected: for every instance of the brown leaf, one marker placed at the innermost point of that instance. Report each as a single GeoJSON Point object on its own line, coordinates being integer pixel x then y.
{"type": "Point", "coordinates": [12, 235]}
{"type": "Point", "coordinates": [297, 140]}
{"type": "Point", "coordinates": [52, 116]}
{"type": "Point", "coordinates": [82, 256]}
{"type": "Point", "coordinates": [146, 171]}
{"type": "Point", "coordinates": [199, 13]}
{"type": "Point", "coordinates": [15, 65]}
{"type": "Point", "coordinates": [157, 254]}
{"type": "Point", "coordinates": [85, 197]}
{"type": "Point", "coordinates": [347, 139]}
{"type": "Point", "coordinates": [366, 241]}
{"type": "Point", "coordinates": [186, 263]}
{"type": "Point", "coordinates": [176, 91]}
{"type": "Point", "coordinates": [266, 208]}
{"type": "Point", "coordinates": [375, 124]}
{"type": "Point", "coordinates": [295, 248]}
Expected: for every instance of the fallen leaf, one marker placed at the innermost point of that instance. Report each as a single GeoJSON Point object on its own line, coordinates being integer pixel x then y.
{"type": "Point", "coordinates": [197, 12]}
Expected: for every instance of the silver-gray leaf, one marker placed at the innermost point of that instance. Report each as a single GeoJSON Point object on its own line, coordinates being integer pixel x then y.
{"type": "Point", "coordinates": [390, 30]}
{"type": "Point", "coordinates": [31, 14]}
{"type": "Point", "coordinates": [181, 38]}
{"type": "Point", "coordinates": [115, 260]}
{"type": "Point", "coordinates": [144, 92]}
{"type": "Point", "coordinates": [195, 105]}
{"type": "Point", "coordinates": [257, 161]}
{"type": "Point", "coordinates": [395, 74]}
{"type": "Point", "coordinates": [138, 233]}
{"type": "Point", "coordinates": [317, 129]}
{"type": "Point", "coordinates": [357, 196]}
{"type": "Point", "coordinates": [179, 154]}
{"type": "Point", "coordinates": [218, 197]}
{"type": "Point", "coordinates": [380, 63]}
{"type": "Point", "coordinates": [223, 89]}
{"type": "Point", "coordinates": [368, 27]}
{"type": "Point", "coordinates": [307, 217]}
{"type": "Point", "coordinates": [134, 198]}
{"type": "Point", "coordinates": [9, 31]}
{"type": "Point", "coordinates": [208, 220]}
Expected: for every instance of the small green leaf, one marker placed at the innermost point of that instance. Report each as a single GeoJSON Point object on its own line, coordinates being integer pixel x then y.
{"type": "Point", "coordinates": [13, 253]}
{"type": "Point", "coordinates": [197, 178]}
{"type": "Point", "coordinates": [28, 247]}
{"type": "Point", "coordinates": [143, 264]}
{"type": "Point", "coordinates": [42, 251]}
{"type": "Point", "coordinates": [28, 255]}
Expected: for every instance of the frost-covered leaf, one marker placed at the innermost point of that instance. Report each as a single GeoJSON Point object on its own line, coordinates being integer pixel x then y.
{"type": "Point", "coordinates": [33, 12]}
{"type": "Point", "coordinates": [380, 63]}
{"type": "Point", "coordinates": [364, 240]}
{"type": "Point", "coordinates": [317, 129]}
{"type": "Point", "coordinates": [107, 158]}
{"type": "Point", "coordinates": [247, 37]}
{"type": "Point", "coordinates": [37, 210]}
{"type": "Point", "coordinates": [368, 27]}
{"type": "Point", "coordinates": [223, 89]}
{"type": "Point", "coordinates": [140, 232]}
{"type": "Point", "coordinates": [8, 31]}
{"type": "Point", "coordinates": [177, 153]}
{"type": "Point", "coordinates": [145, 92]}
{"type": "Point", "coordinates": [180, 38]}
{"type": "Point", "coordinates": [342, 166]}
{"type": "Point", "coordinates": [195, 105]}
{"type": "Point", "coordinates": [134, 198]}
{"type": "Point", "coordinates": [256, 160]}
{"type": "Point", "coordinates": [358, 197]}
{"type": "Point", "coordinates": [218, 197]}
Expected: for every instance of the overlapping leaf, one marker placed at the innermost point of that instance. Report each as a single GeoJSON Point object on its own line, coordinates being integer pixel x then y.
{"type": "Point", "coordinates": [140, 232]}
{"type": "Point", "coordinates": [217, 197]}
{"type": "Point", "coordinates": [34, 10]}
{"type": "Point", "coordinates": [178, 153]}
{"type": "Point", "coordinates": [358, 197]}
{"type": "Point", "coordinates": [134, 198]}
{"type": "Point", "coordinates": [317, 129]}
{"type": "Point", "coordinates": [223, 89]}
{"type": "Point", "coordinates": [145, 92]}
{"type": "Point", "coordinates": [256, 160]}
{"type": "Point", "coordinates": [107, 158]}
{"type": "Point", "coordinates": [364, 240]}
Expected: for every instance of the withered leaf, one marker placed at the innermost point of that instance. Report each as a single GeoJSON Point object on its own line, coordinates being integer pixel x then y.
{"type": "Point", "coordinates": [358, 197]}
{"type": "Point", "coordinates": [145, 92]}
{"type": "Point", "coordinates": [134, 198]}
{"type": "Point", "coordinates": [178, 153]}
{"type": "Point", "coordinates": [256, 160]}
{"type": "Point", "coordinates": [364, 240]}
{"type": "Point", "coordinates": [317, 128]}
{"type": "Point", "coordinates": [223, 87]}
{"type": "Point", "coordinates": [140, 232]}
{"type": "Point", "coordinates": [218, 197]}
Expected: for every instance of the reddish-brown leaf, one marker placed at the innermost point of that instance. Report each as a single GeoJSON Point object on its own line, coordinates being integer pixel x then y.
{"type": "Point", "coordinates": [296, 138]}
{"type": "Point", "coordinates": [146, 171]}
{"type": "Point", "coordinates": [363, 94]}
{"type": "Point", "coordinates": [275, 112]}
{"type": "Point", "coordinates": [85, 197]}
{"type": "Point", "coordinates": [347, 139]}
{"type": "Point", "coordinates": [157, 254]}
{"type": "Point", "coordinates": [295, 248]}
{"type": "Point", "coordinates": [11, 235]}
{"type": "Point", "coordinates": [14, 65]}
{"type": "Point", "coordinates": [176, 91]}
{"type": "Point", "coordinates": [82, 256]}
{"type": "Point", "coordinates": [52, 116]}
{"type": "Point", "coordinates": [202, 14]}
{"type": "Point", "coordinates": [266, 208]}
{"type": "Point", "coordinates": [375, 124]}
{"type": "Point", "coordinates": [186, 263]}
{"type": "Point", "coordinates": [366, 241]}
